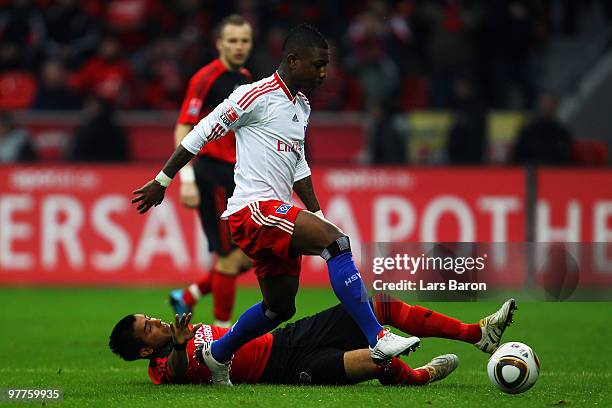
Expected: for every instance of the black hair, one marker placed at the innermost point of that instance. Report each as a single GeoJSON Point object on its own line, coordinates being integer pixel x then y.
{"type": "Point", "coordinates": [122, 340]}
{"type": "Point", "coordinates": [301, 38]}
{"type": "Point", "coordinates": [232, 19]}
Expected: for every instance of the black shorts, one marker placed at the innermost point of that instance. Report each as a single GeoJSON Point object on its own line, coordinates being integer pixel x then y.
{"type": "Point", "coordinates": [215, 181]}
{"type": "Point", "coordinates": [311, 350]}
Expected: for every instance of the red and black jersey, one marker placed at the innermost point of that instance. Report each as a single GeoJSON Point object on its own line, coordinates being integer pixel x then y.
{"type": "Point", "coordinates": [208, 88]}
{"type": "Point", "coordinates": [247, 366]}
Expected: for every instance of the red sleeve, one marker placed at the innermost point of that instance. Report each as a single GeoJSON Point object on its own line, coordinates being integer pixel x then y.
{"type": "Point", "coordinates": [199, 85]}
{"type": "Point", "coordinates": [158, 371]}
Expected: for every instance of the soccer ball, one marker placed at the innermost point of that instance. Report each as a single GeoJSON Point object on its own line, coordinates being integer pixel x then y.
{"type": "Point", "coordinates": [513, 367]}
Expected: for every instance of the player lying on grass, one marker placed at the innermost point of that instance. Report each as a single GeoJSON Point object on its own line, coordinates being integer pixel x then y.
{"type": "Point", "coordinates": [326, 348]}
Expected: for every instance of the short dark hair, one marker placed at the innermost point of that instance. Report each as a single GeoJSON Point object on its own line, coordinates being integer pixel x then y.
{"type": "Point", "coordinates": [122, 340]}
{"type": "Point", "coordinates": [303, 37]}
{"type": "Point", "coordinates": [232, 19]}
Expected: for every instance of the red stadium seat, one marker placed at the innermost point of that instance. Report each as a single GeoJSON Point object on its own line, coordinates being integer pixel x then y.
{"type": "Point", "coordinates": [17, 90]}
{"type": "Point", "coordinates": [590, 152]}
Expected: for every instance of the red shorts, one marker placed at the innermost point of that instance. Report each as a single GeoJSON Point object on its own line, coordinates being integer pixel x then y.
{"type": "Point", "coordinates": [263, 230]}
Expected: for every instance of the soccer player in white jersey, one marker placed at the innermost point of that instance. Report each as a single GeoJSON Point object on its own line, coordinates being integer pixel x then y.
{"type": "Point", "coordinates": [269, 118]}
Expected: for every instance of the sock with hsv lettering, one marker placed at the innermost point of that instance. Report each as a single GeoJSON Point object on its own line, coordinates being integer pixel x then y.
{"type": "Point", "coordinates": [350, 290]}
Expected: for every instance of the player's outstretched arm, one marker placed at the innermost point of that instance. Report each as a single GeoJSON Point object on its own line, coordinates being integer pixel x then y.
{"type": "Point", "coordinates": [152, 193]}
{"type": "Point", "coordinates": [181, 334]}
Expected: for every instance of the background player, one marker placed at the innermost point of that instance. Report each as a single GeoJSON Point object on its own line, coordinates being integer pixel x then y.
{"type": "Point", "coordinates": [210, 181]}
{"type": "Point", "coordinates": [270, 117]}
{"type": "Point", "coordinates": [326, 348]}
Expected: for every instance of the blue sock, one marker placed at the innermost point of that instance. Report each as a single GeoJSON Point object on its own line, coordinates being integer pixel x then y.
{"type": "Point", "coordinates": [349, 288]}
{"type": "Point", "coordinates": [252, 324]}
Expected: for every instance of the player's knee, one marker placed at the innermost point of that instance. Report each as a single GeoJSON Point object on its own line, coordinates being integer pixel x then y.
{"type": "Point", "coordinates": [331, 234]}
{"type": "Point", "coordinates": [337, 247]}
{"type": "Point", "coordinates": [279, 313]}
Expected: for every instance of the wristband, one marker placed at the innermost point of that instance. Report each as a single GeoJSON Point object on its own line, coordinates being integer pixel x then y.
{"type": "Point", "coordinates": [179, 347]}
{"type": "Point", "coordinates": [187, 174]}
{"type": "Point", "coordinates": [319, 214]}
{"type": "Point", "coordinates": [163, 179]}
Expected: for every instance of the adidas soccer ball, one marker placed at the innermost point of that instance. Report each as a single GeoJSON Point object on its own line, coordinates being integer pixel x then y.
{"type": "Point", "coordinates": [513, 367]}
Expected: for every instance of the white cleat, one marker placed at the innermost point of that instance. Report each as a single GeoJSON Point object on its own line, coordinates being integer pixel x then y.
{"type": "Point", "coordinates": [390, 345]}
{"type": "Point", "coordinates": [219, 372]}
{"type": "Point", "coordinates": [493, 326]}
{"type": "Point", "coordinates": [440, 367]}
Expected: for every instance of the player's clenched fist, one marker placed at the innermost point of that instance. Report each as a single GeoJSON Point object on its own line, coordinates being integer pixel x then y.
{"type": "Point", "coordinates": [149, 195]}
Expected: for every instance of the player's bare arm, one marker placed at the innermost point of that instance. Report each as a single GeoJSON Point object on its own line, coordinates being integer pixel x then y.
{"type": "Point", "coordinates": [305, 191]}
{"type": "Point", "coordinates": [181, 334]}
{"type": "Point", "coordinates": [189, 194]}
{"type": "Point", "coordinates": [152, 193]}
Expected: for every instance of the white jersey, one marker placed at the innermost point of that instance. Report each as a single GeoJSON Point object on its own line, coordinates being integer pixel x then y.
{"type": "Point", "coordinates": [270, 126]}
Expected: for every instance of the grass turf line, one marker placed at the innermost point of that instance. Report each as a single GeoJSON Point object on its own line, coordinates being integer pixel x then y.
{"type": "Point", "coordinates": [58, 338]}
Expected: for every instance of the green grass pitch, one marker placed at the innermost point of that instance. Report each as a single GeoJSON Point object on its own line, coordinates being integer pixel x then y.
{"type": "Point", "coordinates": [57, 338]}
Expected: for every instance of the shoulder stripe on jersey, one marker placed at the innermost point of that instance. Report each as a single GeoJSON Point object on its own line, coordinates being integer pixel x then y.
{"type": "Point", "coordinates": [252, 95]}
{"type": "Point", "coordinates": [213, 133]}
{"type": "Point", "coordinates": [256, 89]}
{"type": "Point", "coordinates": [258, 94]}
{"type": "Point", "coordinates": [218, 133]}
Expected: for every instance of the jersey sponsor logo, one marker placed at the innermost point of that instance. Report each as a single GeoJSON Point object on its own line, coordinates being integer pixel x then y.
{"type": "Point", "coordinates": [283, 209]}
{"type": "Point", "coordinates": [229, 116]}
{"type": "Point", "coordinates": [195, 104]}
{"type": "Point", "coordinates": [203, 334]}
{"type": "Point", "coordinates": [295, 147]}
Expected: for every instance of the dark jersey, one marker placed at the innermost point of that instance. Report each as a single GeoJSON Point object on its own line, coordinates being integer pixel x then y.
{"type": "Point", "coordinates": [208, 88]}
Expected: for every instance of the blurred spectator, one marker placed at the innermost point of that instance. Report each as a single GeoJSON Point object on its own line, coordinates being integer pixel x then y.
{"type": "Point", "coordinates": [263, 58]}
{"type": "Point", "coordinates": [17, 89]}
{"type": "Point", "coordinates": [402, 40]}
{"type": "Point", "coordinates": [162, 73]}
{"type": "Point", "coordinates": [22, 33]}
{"type": "Point", "coordinates": [376, 72]}
{"type": "Point", "coordinates": [386, 140]}
{"type": "Point", "coordinates": [72, 34]}
{"type": "Point", "coordinates": [135, 22]}
{"type": "Point", "coordinates": [409, 49]}
{"type": "Point", "coordinates": [108, 76]}
{"type": "Point", "coordinates": [507, 39]}
{"type": "Point", "coordinates": [53, 90]}
{"type": "Point", "coordinates": [544, 140]}
{"type": "Point", "coordinates": [99, 138]}
{"type": "Point", "coordinates": [194, 38]}
{"type": "Point", "coordinates": [339, 91]}
{"type": "Point", "coordinates": [467, 138]}
{"type": "Point", "coordinates": [448, 49]}
{"type": "Point", "coordinates": [15, 145]}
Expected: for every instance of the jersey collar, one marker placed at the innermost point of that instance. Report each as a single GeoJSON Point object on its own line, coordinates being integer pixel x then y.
{"type": "Point", "coordinates": [284, 87]}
